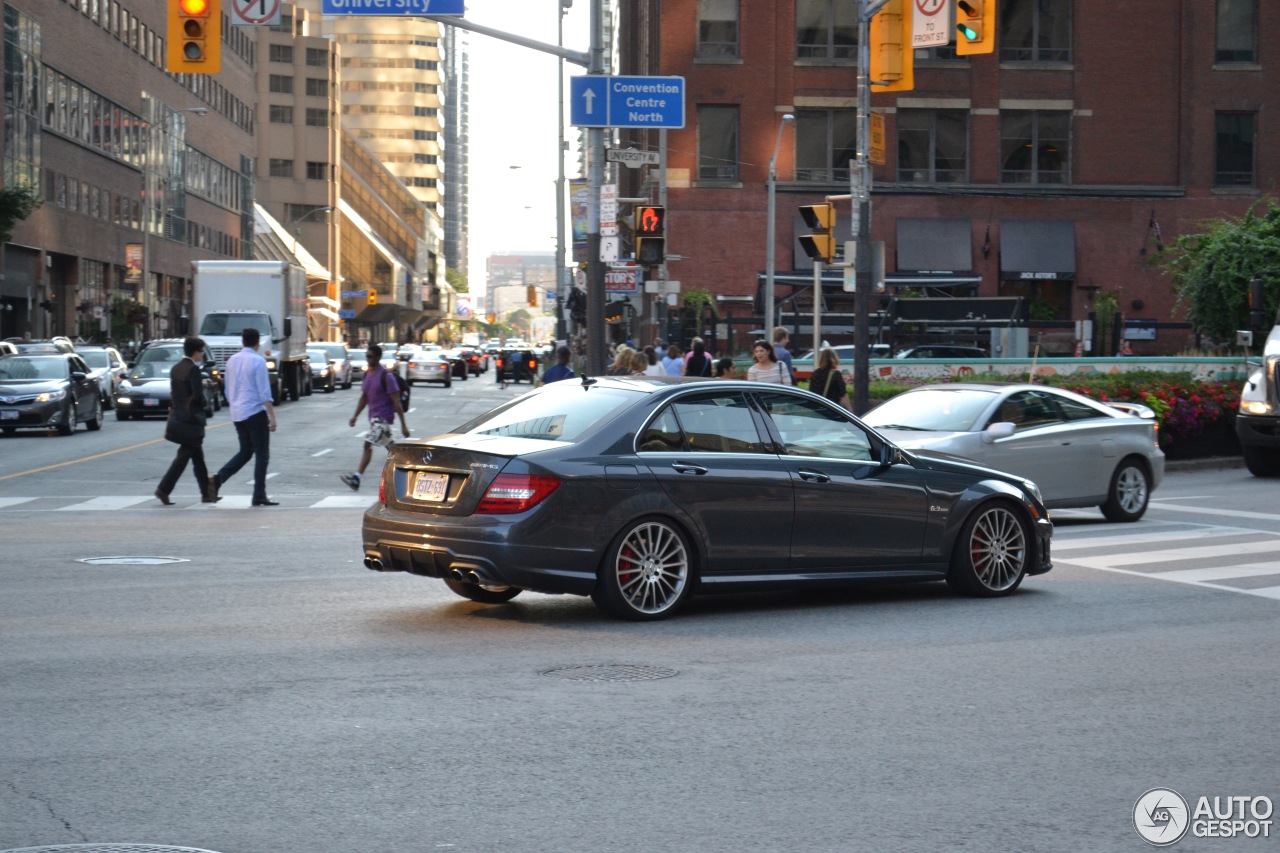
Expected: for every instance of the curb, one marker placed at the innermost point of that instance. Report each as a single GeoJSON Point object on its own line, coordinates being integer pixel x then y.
{"type": "Point", "coordinates": [1208, 463]}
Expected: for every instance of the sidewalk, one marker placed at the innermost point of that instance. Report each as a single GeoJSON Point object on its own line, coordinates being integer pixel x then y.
{"type": "Point", "coordinates": [1207, 463]}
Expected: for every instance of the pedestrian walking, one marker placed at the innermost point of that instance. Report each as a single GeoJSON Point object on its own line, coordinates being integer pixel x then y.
{"type": "Point", "coordinates": [380, 392]}
{"type": "Point", "coordinates": [186, 423]}
{"type": "Point", "coordinates": [827, 379]}
{"type": "Point", "coordinates": [767, 367]}
{"type": "Point", "coordinates": [724, 369]}
{"type": "Point", "coordinates": [248, 393]}
{"type": "Point", "coordinates": [653, 366]}
{"type": "Point", "coordinates": [561, 369]}
{"type": "Point", "coordinates": [698, 363]}
{"type": "Point", "coordinates": [673, 364]}
{"type": "Point", "coordinates": [781, 337]}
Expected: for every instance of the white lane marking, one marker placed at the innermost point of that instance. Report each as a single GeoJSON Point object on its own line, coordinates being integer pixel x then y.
{"type": "Point", "coordinates": [322, 452]}
{"type": "Point", "coordinates": [344, 502]}
{"type": "Point", "coordinates": [108, 502]}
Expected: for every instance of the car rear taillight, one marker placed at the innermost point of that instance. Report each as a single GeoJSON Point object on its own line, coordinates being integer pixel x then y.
{"type": "Point", "coordinates": [510, 493]}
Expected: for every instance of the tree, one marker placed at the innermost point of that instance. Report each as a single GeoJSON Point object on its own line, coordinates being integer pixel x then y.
{"type": "Point", "coordinates": [1211, 270]}
{"type": "Point", "coordinates": [457, 280]}
{"type": "Point", "coordinates": [16, 204]}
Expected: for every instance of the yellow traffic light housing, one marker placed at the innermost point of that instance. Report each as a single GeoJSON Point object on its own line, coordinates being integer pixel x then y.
{"type": "Point", "coordinates": [892, 59]}
{"type": "Point", "coordinates": [975, 26]}
{"type": "Point", "coordinates": [820, 244]}
{"type": "Point", "coordinates": [531, 295]}
{"type": "Point", "coordinates": [195, 37]}
{"type": "Point", "coordinates": [372, 296]}
{"type": "Point", "coordinates": [649, 228]}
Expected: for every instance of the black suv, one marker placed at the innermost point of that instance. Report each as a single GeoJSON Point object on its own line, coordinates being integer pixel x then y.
{"type": "Point", "coordinates": [514, 365]}
{"type": "Point", "coordinates": [43, 390]}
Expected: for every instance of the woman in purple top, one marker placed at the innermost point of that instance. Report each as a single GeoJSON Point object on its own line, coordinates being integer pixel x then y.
{"type": "Point", "coordinates": [380, 391]}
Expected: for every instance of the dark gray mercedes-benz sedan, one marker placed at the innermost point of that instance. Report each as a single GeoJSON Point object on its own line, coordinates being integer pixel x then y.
{"type": "Point", "coordinates": [642, 491]}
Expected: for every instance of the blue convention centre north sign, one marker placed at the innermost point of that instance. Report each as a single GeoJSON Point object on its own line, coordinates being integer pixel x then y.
{"type": "Point", "coordinates": [601, 101]}
{"type": "Point", "coordinates": [391, 7]}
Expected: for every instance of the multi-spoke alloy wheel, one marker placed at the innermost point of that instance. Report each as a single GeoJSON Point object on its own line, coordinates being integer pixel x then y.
{"type": "Point", "coordinates": [647, 572]}
{"type": "Point", "coordinates": [1130, 492]}
{"type": "Point", "coordinates": [991, 554]}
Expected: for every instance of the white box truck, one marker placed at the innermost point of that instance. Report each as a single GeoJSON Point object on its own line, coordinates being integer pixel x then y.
{"type": "Point", "coordinates": [270, 296]}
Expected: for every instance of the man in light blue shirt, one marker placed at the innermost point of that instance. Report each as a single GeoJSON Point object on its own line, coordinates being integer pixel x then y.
{"type": "Point", "coordinates": [248, 393]}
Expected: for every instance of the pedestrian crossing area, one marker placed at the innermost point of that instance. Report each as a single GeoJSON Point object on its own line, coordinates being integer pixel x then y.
{"type": "Point", "coordinates": [116, 503]}
{"type": "Point", "coordinates": [1219, 557]}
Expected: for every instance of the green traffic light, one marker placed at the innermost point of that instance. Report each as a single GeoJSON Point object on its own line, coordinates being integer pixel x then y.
{"type": "Point", "coordinates": [969, 33]}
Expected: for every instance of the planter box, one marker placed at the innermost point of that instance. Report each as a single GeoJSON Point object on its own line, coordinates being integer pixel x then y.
{"type": "Point", "coordinates": [1219, 439]}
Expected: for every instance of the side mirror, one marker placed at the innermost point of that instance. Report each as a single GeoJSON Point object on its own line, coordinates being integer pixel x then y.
{"type": "Point", "coordinates": [1001, 429]}
{"type": "Point", "coordinates": [288, 327]}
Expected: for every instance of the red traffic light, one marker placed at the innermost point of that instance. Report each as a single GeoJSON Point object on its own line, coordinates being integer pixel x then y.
{"type": "Point", "coordinates": [650, 221]}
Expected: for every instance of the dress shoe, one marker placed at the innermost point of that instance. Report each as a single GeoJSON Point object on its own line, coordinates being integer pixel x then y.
{"type": "Point", "coordinates": [266, 502]}
{"type": "Point", "coordinates": [163, 497]}
{"type": "Point", "coordinates": [215, 483]}
{"type": "Point", "coordinates": [210, 499]}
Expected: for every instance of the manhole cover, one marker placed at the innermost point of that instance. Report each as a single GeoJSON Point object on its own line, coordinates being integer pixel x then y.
{"type": "Point", "coordinates": [610, 672]}
{"type": "Point", "coordinates": [129, 561]}
{"type": "Point", "coordinates": [107, 848]}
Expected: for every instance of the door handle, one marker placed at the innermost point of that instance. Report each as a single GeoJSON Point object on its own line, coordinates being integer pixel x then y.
{"type": "Point", "coordinates": [814, 476]}
{"type": "Point", "coordinates": [686, 468]}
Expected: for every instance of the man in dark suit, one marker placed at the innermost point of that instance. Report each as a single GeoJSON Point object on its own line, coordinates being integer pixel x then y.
{"type": "Point", "coordinates": [186, 412]}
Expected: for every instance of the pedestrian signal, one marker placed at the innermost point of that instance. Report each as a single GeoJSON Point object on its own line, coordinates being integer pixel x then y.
{"type": "Point", "coordinates": [650, 234]}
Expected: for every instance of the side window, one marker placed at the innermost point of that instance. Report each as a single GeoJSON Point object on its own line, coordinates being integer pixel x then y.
{"type": "Point", "coordinates": [719, 423]}
{"type": "Point", "coordinates": [1074, 411]}
{"type": "Point", "coordinates": [1028, 409]}
{"type": "Point", "coordinates": [663, 435]}
{"type": "Point", "coordinates": [809, 428]}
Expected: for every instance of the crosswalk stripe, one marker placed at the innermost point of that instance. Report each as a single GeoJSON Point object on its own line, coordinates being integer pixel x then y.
{"type": "Point", "coordinates": [1167, 534]}
{"type": "Point", "coordinates": [1143, 558]}
{"type": "Point", "coordinates": [1220, 573]}
{"type": "Point", "coordinates": [7, 502]}
{"type": "Point", "coordinates": [107, 502]}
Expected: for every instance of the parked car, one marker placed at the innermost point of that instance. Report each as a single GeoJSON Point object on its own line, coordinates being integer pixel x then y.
{"type": "Point", "coordinates": [640, 491]}
{"type": "Point", "coordinates": [803, 364]}
{"type": "Point", "coordinates": [108, 367]}
{"type": "Point", "coordinates": [48, 390]}
{"type": "Point", "coordinates": [50, 345]}
{"type": "Point", "coordinates": [339, 359]}
{"type": "Point", "coordinates": [1079, 451]}
{"type": "Point", "coordinates": [515, 365]}
{"type": "Point", "coordinates": [323, 375]}
{"type": "Point", "coordinates": [145, 389]}
{"type": "Point", "coordinates": [942, 351]}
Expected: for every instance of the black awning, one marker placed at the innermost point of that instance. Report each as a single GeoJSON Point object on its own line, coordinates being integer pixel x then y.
{"type": "Point", "coordinates": [1037, 250]}
{"type": "Point", "coordinates": [934, 246]}
{"type": "Point", "coordinates": [373, 314]}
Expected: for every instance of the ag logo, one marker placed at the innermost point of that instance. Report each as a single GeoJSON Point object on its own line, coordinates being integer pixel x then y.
{"type": "Point", "coordinates": [1161, 817]}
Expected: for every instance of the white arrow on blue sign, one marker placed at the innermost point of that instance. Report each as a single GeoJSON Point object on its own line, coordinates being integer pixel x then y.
{"type": "Point", "coordinates": [392, 7]}
{"type": "Point", "coordinates": [602, 101]}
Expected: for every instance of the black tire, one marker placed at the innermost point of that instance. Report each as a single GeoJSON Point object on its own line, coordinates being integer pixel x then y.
{"type": "Point", "coordinates": [94, 423]}
{"type": "Point", "coordinates": [122, 415]}
{"type": "Point", "coordinates": [647, 573]}
{"type": "Point", "coordinates": [1262, 461]}
{"type": "Point", "coordinates": [108, 402]}
{"type": "Point", "coordinates": [10, 430]}
{"type": "Point", "coordinates": [483, 593]}
{"type": "Point", "coordinates": [331, 387]}
{"type": "Point", "coordinates": [1129, 492]}
{"type": "Point", "coordinates": [448, 383]}
{"type": "Point", "coordinates": [68, 424]}
{"type": "Point", "coordinates": [992, 552]}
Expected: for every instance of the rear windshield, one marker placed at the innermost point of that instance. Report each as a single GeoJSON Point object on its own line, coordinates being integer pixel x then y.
{"type": "Point", "coordinates": [564, 411]}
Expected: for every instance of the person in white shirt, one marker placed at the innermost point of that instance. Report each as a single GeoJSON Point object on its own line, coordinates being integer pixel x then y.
{"type": "Point", "coordinates": [767, 367]}
{"type": "Point", "coordinates": [248, 392]}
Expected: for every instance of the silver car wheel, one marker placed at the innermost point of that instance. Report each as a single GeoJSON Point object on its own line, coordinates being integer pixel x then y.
{"type": "Point", "coordinates": [1130, 493]}
{"type": "Point", "coordinates": [997, 549]}
{"type": "Point", "coordinates": [647, 572]}
{"type": "Point", "coordinates": [1131, 490]}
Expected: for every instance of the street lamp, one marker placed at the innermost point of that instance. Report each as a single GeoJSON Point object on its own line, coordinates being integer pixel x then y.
{"type": "Point", "coordinates": [770, 249]}
{"type": "Point", "coordinates": [307, 215]}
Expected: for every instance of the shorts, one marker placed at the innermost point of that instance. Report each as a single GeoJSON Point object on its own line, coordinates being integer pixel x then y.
{"type": "Point", "coordinates": [379, 433]}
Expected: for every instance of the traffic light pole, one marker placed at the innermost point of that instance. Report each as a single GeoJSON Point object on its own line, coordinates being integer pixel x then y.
{"type": "Point", "coordinates": [595, 178]}
{"type": "Point", "coordinates": [860, 189]}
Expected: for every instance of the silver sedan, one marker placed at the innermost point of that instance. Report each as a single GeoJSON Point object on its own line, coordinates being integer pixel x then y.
{"type": "Point", "coordinates": [1078, 451]}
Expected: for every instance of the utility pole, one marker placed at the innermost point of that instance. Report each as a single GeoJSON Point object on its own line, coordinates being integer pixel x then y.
{"type": "Point", "coordinates": [595, 178]}
{"type": "Point", "coordinates": [860, 189]}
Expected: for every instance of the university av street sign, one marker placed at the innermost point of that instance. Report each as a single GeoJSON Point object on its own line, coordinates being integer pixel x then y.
{"type": "Point", "coordinates": [601, 101]}
{"type": "Point", "coordinates": [392, 7]}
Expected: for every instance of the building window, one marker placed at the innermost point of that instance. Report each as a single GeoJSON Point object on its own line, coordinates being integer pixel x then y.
{"type": "Point", "coordinates": [1237, 31]}
{"type": "Point", "coordinates": [717, 143]}
{"type": "Point", "coordinates": [317, 58]}
{"type": "Point", "coordinates": [1233, 149]}
{"type": "Point", "coordinates": [317, 118]}
{"type": "Point", "coordinates": [280, 114]}
{"type": "Point", "coordinates": [280, 53]}
{"type": "Point", "coordinates": [717, 27]}
{"type": "Point", "coordinates": [317, 87]}
{"type": "Point", "coordinates": [826, 141]}
{"type": "Point", "coordinates": [280, 84]}
{"type": "Point", "coordinates": [280, 168]}
{"type": "Point", "coordinates": [1035, 31]}
{"type": "Point", "coordinates": [826, 29]}
{"type": "Point", "coordinates": [317, 171]}
{"type": "Point", "coordinates": [933, 146]}
{"type": "Point", "coordinates": [1035, 147]}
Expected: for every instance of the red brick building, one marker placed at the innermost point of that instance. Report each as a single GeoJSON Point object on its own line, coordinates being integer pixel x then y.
{"type": "Point", "coordinates": [1050, 169]}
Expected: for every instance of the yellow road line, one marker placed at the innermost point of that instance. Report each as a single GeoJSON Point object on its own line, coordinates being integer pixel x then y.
{"type": "Point", "coordinates": [90, 458]}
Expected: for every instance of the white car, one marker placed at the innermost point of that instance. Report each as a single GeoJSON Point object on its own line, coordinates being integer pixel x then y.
{"type": "Point", "coordinates": [1078, 451]}
{"type": "Point", "coordinates": [108, 368]}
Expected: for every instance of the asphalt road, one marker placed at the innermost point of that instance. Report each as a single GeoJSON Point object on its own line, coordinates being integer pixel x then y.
{"type": "Point", "coordinates": [269, 693]}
